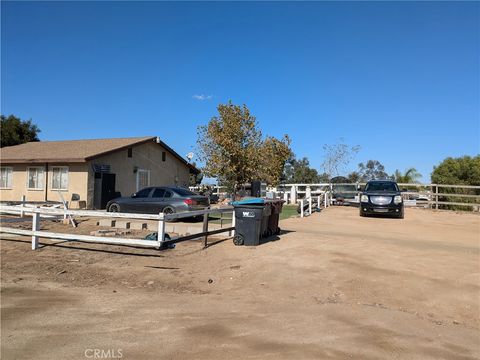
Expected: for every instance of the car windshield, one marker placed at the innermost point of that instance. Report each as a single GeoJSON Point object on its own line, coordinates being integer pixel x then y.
{"type": "Point", "coordinates": [381, 186]}
{"type": "Point", "coordinates": [184, 192]}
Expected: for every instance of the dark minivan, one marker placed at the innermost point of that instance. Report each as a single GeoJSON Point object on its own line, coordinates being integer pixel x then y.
{"type": "Point", "coordinates": [381, 197]}
{"type": "Point", "coordinates": [153, 200]}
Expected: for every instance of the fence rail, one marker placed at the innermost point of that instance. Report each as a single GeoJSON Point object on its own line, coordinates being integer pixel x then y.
{"type": "Point", "coordinates": [431, 194]}
{"type": "Point", "coordinates": [162, 239]}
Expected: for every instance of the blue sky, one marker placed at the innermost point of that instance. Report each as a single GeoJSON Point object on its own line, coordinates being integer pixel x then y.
{"type": "Point", "coordinates": [399, 79]}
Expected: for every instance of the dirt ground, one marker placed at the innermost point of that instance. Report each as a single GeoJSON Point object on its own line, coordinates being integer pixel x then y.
{"type": "Point", "coordinates": [334, 286]}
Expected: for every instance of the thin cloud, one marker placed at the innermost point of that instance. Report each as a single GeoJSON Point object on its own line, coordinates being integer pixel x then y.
{"type": "Point", "coordinates": [202, 97]}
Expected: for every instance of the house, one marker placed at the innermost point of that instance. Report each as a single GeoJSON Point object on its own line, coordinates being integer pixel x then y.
{"type": "Point", "coordinates": [92, 171]}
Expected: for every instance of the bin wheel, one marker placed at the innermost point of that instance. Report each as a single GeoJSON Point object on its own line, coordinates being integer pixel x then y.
{"type": "Point", "coordinates": [238, 240]}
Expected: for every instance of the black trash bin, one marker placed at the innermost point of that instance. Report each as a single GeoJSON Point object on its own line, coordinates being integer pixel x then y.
{"type": "Point", "coordinates": [251, 221]}
{"type": "Point", "coordinates": [273, 228]}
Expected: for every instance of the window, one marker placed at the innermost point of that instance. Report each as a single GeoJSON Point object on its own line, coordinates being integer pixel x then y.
{"type": "Point", "coordinates": [6, 175]}
{"type": "Point", "coordinates": [381, 186]}
{"type": "Point", "coordinates": [35, 178]}
{"type": "Point", "coordinates": [60, 178]}
{"type": "Point", "coordinates": [143, 179]}
{"type": "Point", "coordinates": [168, 194]}
{"type": "Point", "coordinates": [129, 152]}
{"type": "Point", "coordinates": [143, 193]}
{"type": "Point", "coordinates": [184, 192]}
{"type": "Point", "coordinates": [158, 193]}
{"type": "Point", "coordinates": [164, 155]}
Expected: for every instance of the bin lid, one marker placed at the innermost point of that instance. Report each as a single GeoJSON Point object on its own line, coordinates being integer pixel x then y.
{"type": "Point", "coordinates": [254, 201]}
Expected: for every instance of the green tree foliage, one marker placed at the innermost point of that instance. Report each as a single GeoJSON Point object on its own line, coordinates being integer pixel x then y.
{"type": "Point", "coordinates": [457, 171]}
{"type": "Point", "coordinates": [233, 151]}
{"type": "Point", "coordinates": [298, 171]}
{"type": "Point", "coordinates": [15, 131]}
{"type": "Point", "coordinates": [273, 155]}
{"type": "Point", "coordinates": [354, 177]}
{"type": "Point", "coordinates": [371, 170]}
{"type": "Point", "coordinates": [410, 175]}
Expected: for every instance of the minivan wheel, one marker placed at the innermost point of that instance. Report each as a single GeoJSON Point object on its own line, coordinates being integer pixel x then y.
{"type": "Point", "coordinates": [114, 207]}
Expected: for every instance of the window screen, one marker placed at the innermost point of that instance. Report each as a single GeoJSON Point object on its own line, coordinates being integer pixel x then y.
{"type": "Point", "coordinates": [6, 174]}
{"type": "Point", "coordinates": [143, 179]}
{"type": "Point", "coordinates": [35, 178]}
{"type": "Point", "coordinates": [60, 178]}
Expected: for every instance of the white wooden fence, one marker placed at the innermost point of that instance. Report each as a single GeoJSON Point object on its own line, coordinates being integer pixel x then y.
{"type": "Point", "coordinates": [427, 195]}
{"type": "Point", "coordinates": [162, 239]}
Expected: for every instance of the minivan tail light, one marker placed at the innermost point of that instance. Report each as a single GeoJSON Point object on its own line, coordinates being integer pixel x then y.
{"type": "Point", "coordinates": [190, 202]}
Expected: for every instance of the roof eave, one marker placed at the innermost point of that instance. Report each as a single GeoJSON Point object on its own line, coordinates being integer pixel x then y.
{"type": "Point", "coordinates": [40, 161]}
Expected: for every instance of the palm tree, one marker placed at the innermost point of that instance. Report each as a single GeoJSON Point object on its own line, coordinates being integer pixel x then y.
{"type": "Point", "coordinates": [410, 175]}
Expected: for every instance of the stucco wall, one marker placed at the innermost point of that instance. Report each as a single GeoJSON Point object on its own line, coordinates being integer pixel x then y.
{"type": "Point", "coordinates": [77, 183]}
{"type": "Point", "coordinates": [146, 157]}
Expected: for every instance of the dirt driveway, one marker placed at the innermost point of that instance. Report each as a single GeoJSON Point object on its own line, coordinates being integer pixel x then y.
{"type": "Point", "coordinates": [335, 286]}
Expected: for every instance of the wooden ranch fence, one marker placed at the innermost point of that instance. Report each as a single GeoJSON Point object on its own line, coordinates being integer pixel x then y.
{"type": "Point", "coordinates": [162, 239]}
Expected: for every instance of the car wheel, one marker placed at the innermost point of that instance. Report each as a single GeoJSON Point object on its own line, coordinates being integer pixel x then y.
{"type": "Point", "coordinates": [114, 207]}
{"type": "Point", "coordinates": [362, 214]}
{"type": "Point", "coordinates": [402, 215]}
{"type": "Point", "coordinates": [168, 211]}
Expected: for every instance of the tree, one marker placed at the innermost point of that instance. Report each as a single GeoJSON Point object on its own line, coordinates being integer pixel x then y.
{"type": "Point", "coordinates": [300, 172]}
{"type": "Point", "coordinates": [457, 171]}
{"type": "Point", "coordinates": [273, 155]}
{"type": "Point", "coordinates": [232, 149]}
{"type": "Point", "coordinates": [15, 131]}
{"type": "Point", "coordinates": [337, 157]}
{"type": "Point", "coordinates": [354, 177]}
{"type": "Point", "coordinates": [410, 175]}
{"type": "Point", "coordinates": [371, 170]}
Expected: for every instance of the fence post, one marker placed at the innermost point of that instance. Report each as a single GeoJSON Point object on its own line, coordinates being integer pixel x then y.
{"type": "Point", "coordinates": [232, 232]}
{"type": "Point", "coordinates": [35, 227]}
{"type": "Point", "coordinates": [161, 229]}
{"type": "Point", "coordinates": [205, 229]}
{"type": "Point", "coordinates": [308, 192]}
{"type": "Point", "coordinates": [301, 208]}
{"type": "Point", "coordinates": [310, 205]}
{"type": "Point", "coordinates": [436, 197]}
{"type": "Point", "coordinates": [285, 197]}
{"type": "Point", "coordinates": [318, 202]}
{"type": "Point", "coordinates": [293, 194]}
{"type": "Point", "coordinates": [22, 213]}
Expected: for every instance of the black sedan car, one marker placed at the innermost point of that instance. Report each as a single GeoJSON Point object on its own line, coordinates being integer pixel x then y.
{"type": "Point", "coordinates": [153, 200]}
{"type": "Point", "coordinates": [381, 197]}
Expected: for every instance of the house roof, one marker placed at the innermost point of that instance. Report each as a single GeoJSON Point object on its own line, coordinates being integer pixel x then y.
{"type": "Point", "coordinates": [75, 151]}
